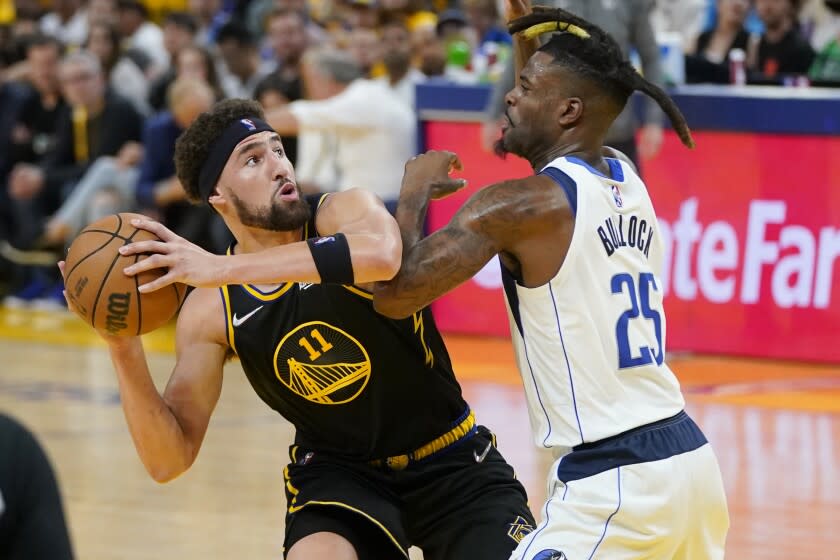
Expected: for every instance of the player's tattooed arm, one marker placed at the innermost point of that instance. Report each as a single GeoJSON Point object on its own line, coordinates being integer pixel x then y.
{"type": "Point", "coordinates": [494, 220]}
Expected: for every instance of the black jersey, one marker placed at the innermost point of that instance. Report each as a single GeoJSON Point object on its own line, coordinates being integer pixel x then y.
{"type": "Point", "coordinates": [352, 381]}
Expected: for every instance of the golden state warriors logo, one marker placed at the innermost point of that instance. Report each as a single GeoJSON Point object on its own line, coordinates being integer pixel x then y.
{"type": "Point", "coordinates": [322, 363]}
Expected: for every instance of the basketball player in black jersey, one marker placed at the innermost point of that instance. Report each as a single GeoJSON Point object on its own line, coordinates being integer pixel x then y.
{"type": "Point", "coordinates": [387, 453]}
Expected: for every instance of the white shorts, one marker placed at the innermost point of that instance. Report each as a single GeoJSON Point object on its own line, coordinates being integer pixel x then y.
{"type": "Point", "coordinates": [647, 506]}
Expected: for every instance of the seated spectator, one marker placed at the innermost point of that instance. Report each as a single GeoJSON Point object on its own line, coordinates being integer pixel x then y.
{"type": "Point", "coordinates": [67, 22]}
{"type": "Point", "coordinates": [196, 62]}
{"type": "Point", "coordinates": [122, 73]}
{"type": "Point", "coordinates": [709, 60]}
{"type": "Point", "coordinates": [364, 45]}
{"type": "Point", "coordinates": [242, 66]}
{"type": "Point", "coordinates": [98, 123]}
{"type": "Point", "coordinates": [781, 50]}
{"type": "Point", "coordinates": [159, 193]}
{"type": "Point", "coordinates": [274, 92]}
{"type": "Point", "coordinates": [33, 131]}
{"type": "Point", "coordinates": [179, 31]}
{"type": "Point", "coordinates": [287, 41]}
{"type": "Point", "coordinates": [143, 39]}
{"type": "Point", "coordinates": [374, 129]}
{"type": "Point", "coordinates": [826, 66]}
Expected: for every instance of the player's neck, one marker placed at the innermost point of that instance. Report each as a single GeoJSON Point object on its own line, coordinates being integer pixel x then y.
{"type": "Point", "coordinates": [591, 154]}
{"type": "Point", "coordinates": [253, 240]}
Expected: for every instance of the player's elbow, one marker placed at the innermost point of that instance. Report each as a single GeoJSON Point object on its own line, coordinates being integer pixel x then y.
{"type": "Point", "coordinates": [383, 261]}
{"type": "Point", "coordinates": [387, 304]}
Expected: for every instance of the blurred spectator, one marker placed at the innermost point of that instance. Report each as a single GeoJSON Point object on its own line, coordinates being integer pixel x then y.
{"type": "Point", "coordinates": [483, 17]}
{"type": "Point", "coordinates": [143, 39]}
{"type": "Point", "coordinates": [629, 23]}
{"type": "Point", "coordinates": [363, 44]}
{"type": "Point", "coordinates": [356, 14]}
{"type": "Point", "coordinates": [781, 50]}
{"type": "Point", "coordinates": [33, 133]}
{"type": "Point", "coordinates": [67, 22]}
{"type": "Point", "coordinates": [99, 123]}
{"type": "Point", "coordinates": [374, 130]}
{"type": "Point", "coordinates": [102, 11]}
{"type": "Point", "coordinates": [286, 37]}
{"type": "Point", "coordinates": [826, 65]}
{"type": "Point", "coordinates": [401, 76]}
{"type": "Point", "coordinates": [179, 31]}
{"type": "Point", "coordinates": [708, 61]}
{"type": "Point", "coordinates": [32, 521]}
{"type": "Point", "coordinates": [195, 61]}
{"type": "Point", "coordinates": [122, 73]}
{"type": "Point", "coordinates": [242, 66]}
{"type": "Point", "coordinates": [273, 92]}
{"type": "Point", "coordinates": [210, 17]}
{"type": "Point", "coordinates": [686, 17]}
{"type": "Point", "coordinates": [159, 193]}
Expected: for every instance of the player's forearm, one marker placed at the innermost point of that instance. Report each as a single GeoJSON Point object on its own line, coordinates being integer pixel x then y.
{"type": "Point", "coordinates": [157, 435]}
{"type": "Point", "coordinates": [374, 258]}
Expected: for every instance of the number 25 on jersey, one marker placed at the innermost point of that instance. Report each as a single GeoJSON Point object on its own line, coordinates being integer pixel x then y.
{"type": "Point", "coordinates": [639, 294]}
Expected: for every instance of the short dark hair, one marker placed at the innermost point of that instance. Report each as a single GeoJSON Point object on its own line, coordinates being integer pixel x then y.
{"type": "Point", "coordinates": [38, 39]}
{"type": "Point", "coordinates": [599, 59]}
{"type": "Point", "coordinates": [193, 146]}
{"type": "Point", "coordinates": [184, 20]}
{"type": "Point", "coordinates": [235, 30]}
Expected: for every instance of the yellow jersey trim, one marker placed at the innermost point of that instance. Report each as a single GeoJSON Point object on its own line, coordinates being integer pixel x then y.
{"type": "Point", "coordinates": [228, 318]}
{"type": "Point", "coordinates": [399, 462]}
{"type": "Point", "coordinates": [358, 291]}
{"type": "Point", "coordinates": [268, 296]}
{"type": "Point", "coordinates": [293, 509]}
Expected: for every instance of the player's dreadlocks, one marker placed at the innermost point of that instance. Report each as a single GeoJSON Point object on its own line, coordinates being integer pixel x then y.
{"type": "Point", "coordinates": [589, 51]}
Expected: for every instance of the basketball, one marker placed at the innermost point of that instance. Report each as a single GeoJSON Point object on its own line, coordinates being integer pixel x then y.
{"type": "Point", "coordinates": [102, 294]}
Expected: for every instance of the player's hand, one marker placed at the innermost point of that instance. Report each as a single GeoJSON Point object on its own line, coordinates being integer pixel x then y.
{"type": "Point", "coordinates": [185, 262]}
{"type": "Point", "coordinates": [516, 9]}
{"type": "Point", "coordinates": [431, 171]}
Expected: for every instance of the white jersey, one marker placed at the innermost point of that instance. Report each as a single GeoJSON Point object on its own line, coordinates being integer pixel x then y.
{"type": "Point", "coordinates": [590, 343]}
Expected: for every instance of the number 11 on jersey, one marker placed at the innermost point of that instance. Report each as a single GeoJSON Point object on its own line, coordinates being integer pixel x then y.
{"type": "Point", "coordinates": [640, 302]}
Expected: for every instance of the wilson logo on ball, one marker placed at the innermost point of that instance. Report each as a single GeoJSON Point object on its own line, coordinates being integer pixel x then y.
{"type": "Point", "coordinates": [118, 305]}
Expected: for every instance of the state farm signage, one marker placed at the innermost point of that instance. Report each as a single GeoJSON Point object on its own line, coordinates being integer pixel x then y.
{"type": "Point", "coordinates": [751, 231]}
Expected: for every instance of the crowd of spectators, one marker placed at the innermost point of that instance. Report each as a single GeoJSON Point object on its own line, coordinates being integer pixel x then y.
{"type": "Point", "coordinates": [94, 93]}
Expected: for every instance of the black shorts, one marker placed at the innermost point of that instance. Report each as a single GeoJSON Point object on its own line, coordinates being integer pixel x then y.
{"type": "Point", "coordinates": [462, 502]}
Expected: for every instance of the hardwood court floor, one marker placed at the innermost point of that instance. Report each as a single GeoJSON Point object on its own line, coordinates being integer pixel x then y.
{"type": "Point", "coordinates": [775, 428]}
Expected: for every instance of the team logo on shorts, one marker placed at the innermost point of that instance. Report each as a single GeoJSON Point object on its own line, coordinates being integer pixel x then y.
{"type": "Point", "coordinates": [519, 528]}
{"type": "Point", "coordinates": [248, 123]}
{"type": "Point", "coordinates": [550, 554]}
{"type": "Point", "coordinates": [322, 240]}
{"type": "Point", "coordinates": [617, 195]}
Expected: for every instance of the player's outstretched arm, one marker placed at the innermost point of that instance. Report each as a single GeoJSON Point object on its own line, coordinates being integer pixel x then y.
{"type": "Point", "coordinates": [372, 236]}
{"type": "Point", "coordinates": [501, 218]}
{"type": "Point", "coordinates": [168, 429]}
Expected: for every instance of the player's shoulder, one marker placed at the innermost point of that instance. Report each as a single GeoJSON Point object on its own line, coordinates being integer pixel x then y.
{"type": "Point", "coordinates": [202, 315]}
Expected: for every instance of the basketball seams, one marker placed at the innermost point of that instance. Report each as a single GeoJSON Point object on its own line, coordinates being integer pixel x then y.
{"type": "Point", "coordinates": [83, 259]}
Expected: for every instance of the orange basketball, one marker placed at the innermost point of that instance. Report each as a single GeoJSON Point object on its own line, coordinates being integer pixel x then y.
{"type": "Point", "coordinates": [102, 295]}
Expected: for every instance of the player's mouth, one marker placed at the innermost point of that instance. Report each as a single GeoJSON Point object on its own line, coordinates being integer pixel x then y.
{"type": "Point", "coordinates": [288, 192]}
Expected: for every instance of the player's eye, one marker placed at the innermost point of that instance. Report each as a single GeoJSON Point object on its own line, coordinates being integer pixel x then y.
{"type": "Point", "coordinates": [279, 151]}
{"type": "Point", "coordinates": [252, 161]}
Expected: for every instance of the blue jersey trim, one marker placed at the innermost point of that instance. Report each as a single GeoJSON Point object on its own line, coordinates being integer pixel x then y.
{"type": "Point", "coordinates": [567, 183]}
{"type": "Point", "coordinates": [651, 442]}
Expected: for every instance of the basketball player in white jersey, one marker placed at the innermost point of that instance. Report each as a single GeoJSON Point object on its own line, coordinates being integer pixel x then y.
{"type": "Point", "coordinates": [581, 252]}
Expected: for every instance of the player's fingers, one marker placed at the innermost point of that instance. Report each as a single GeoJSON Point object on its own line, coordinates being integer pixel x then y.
{"type": "Point", "coordinates": [61, 268]}
{"type": "Point", "coordinates": [154, 227]}
{"type": "Point", "coordinates": [455, 162]}
{"type": "Point", "coordinates": [157, 283]}
{"type": "Point", "coordinates": [149, 263]}
{"type": "Point", "coordinates": [140, 247]}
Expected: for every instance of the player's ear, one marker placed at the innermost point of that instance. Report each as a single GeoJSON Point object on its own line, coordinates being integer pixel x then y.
{"type": "Point", "coordinates": [569, 111]}
{"type": "Point", "coordinates": [217, 199]}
